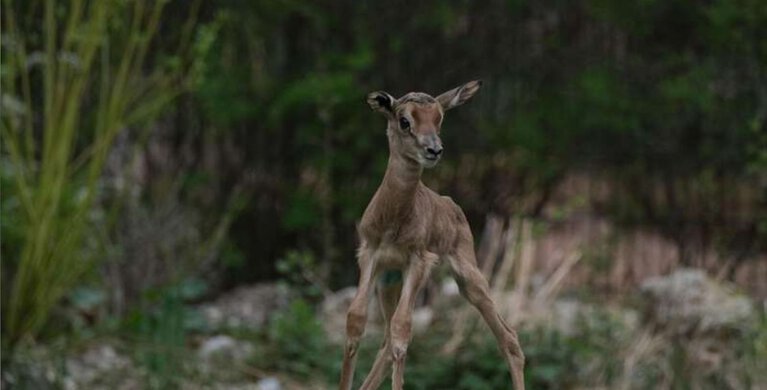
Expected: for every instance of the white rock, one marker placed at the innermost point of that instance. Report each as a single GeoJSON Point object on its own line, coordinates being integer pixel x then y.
{"type": "Point", "coordinates": [224, 347]}
{"type": "Point", "coordinates": [450, 288]}
{"type": "Point", "coordinates": [249, 306]}
{"type": "Point", "coordinates": [688, 300]}
{"type": "Point", "coordinates": [94, 362]}
{"type": "Point", "coordinates": [422, 318]}
{"type": "Point", "coordinates": [269, 383]}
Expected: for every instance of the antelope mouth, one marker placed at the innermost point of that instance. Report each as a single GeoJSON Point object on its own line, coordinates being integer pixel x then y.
{"type": "Point", "coordinates": [429, 161]}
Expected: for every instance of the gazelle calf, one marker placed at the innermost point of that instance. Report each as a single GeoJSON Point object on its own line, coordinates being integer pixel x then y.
{"type": "Point", "coordinates": [408, 228]}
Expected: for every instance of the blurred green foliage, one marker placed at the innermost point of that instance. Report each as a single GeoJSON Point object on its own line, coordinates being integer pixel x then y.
{"type": "Point", "coordinates": [297, 343]}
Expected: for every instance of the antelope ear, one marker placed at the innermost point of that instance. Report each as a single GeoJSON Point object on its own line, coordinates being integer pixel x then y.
{"type": "Point", "coordinates": [382, 102]}
{"type": "Point", "coordinates": [457, 96]}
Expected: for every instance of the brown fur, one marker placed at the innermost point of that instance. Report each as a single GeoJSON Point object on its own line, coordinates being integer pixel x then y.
{"type": "Point", "coordinates": [409, 227]}
{"type": "Point", "coordinates": [407, 214]}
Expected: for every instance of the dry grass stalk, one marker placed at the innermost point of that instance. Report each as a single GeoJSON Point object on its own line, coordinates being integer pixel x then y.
{"type": "Point", "coordinates": [554, 283]}
{"type": "Point", "coordinates": [645, 345]}
{"type": "Point", "coordinates": [500, 280]}
{"type": "Point", "coordinates": [522, 276]}
{"type": "Point", "coordinates": [490, 246]}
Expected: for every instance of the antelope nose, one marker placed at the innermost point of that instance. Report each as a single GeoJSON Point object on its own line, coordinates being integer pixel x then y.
{"type": "Point", "coordinates": [435, 150]}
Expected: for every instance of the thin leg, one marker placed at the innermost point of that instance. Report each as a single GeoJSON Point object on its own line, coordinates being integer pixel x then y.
{"type": "Point", "coordinates": [475, 289]}
{"type": "Point", "coordinates": [388, 295]}
{"type": "Point", "coordinates": [356, 317]}
{"type": "Point", "coordinates": [401, 322]}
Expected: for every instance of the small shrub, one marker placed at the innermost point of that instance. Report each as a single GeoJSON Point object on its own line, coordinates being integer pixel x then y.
{"type": "Point", "coordinates": [297, 342]}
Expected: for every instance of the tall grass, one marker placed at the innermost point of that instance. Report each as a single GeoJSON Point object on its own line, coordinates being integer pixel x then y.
{"type": "Point", "coordinates": [69, 87]}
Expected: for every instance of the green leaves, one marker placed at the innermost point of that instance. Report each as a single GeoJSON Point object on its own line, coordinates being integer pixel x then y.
{"type": "Point", "coordinates": [318, 91]}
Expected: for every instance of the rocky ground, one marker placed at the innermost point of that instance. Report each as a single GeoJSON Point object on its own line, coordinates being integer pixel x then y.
{"type": "Point", "coordinates": [686, 304]}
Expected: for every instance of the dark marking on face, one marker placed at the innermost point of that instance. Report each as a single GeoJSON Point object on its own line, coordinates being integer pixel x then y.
{"type": "Point", "coordinates": [384, 101]}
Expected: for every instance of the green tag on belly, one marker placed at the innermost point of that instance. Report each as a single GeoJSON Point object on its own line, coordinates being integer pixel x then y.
{"type": "Point", "coordinates": [390, 277]}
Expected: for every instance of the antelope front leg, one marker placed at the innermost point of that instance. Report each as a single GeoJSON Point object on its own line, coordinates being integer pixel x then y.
{"type": "Point", "coordinates": [356, 317]}
{"type": "Point", "coordinates": [400, 327]}
{"type": "Point", "coordinates": [388, 297]}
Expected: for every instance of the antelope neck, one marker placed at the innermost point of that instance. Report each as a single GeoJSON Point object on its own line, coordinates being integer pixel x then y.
{"type": "Point", "coordinates": [400, 182]}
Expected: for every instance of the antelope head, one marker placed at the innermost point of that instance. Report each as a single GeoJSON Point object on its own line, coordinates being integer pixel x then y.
{"type": "Point", "coordinates": [414, 120]}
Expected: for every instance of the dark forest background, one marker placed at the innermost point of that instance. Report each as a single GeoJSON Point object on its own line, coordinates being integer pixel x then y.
{"type": "Point", "coordinates": [167, 152]}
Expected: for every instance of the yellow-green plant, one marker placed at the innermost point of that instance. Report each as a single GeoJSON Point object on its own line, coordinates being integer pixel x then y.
{"type": "Point", "coordinates": [69, 87]}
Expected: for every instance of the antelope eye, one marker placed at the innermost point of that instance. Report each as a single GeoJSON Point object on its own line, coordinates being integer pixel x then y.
{"type": "Point", "coordinates": [404, 123]}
